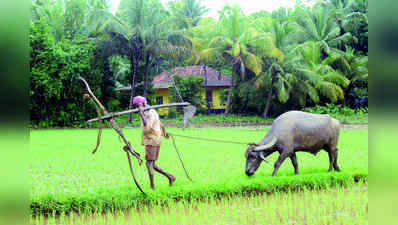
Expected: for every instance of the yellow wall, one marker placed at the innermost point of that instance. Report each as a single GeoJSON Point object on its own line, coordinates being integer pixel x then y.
{"type": "Point", "coordinates": [166, 99]}
{"type": "Point", "coordinates": [216, 104]}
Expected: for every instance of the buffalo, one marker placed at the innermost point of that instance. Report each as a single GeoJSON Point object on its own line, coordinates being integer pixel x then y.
{"type": "Point", "coordinates": [292, 132]}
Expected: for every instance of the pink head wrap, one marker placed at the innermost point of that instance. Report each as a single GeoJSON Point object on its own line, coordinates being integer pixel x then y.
{"type": "Point", "coordinates": [139, 99]}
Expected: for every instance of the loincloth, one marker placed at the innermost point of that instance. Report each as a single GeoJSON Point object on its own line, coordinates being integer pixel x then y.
{"type": "Point", "coordinates": [151, 152]}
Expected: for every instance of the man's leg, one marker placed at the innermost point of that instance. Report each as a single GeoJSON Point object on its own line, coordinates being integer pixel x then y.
{"type": "Point", "coordinates": [161, 171]}
{"type": "Point", "coordinates": [150, 165]}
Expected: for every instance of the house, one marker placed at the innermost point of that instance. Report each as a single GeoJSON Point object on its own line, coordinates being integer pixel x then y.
{"type": "Point", "coordinates": [214, 82]}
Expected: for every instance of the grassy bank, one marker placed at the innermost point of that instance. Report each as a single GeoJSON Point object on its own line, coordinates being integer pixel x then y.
{"type": "Point", "coordinates": [67, 177]}
{"type": "Point", "coordinates": [231, 120]}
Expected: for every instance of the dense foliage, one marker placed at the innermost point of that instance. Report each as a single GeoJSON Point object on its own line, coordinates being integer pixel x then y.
{"type": "Point", "coordinates": [281, 60]}
{"type": "Point", "coordinates": [189, 89]}
{"type": "Point", "coordinates": [56, 97]}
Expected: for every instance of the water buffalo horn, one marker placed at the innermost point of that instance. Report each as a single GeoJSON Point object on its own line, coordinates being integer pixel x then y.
{"type": "Point", "coordinates": [266, 146]}
{"type": "Point", "coordinates": [262, 157]}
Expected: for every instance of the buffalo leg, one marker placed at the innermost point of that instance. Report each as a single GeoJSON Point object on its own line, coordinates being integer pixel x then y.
{"type": "Point", "coordinates": [331, 160]}
{"type": "Point", "coordinates": [335, 166]}
{"type": "Point", "coordinates": [294, 162]}
{"type": "Point", "coordinates": [332, 155]}
{"type": "Point", "coordinates": [280, 160]}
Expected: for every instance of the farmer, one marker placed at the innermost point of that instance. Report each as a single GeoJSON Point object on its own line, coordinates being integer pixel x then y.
{"type": "Point", "coordinates": [152, 132]}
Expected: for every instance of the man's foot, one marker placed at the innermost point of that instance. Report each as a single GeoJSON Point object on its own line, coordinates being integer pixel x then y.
{"type": "Point", "coordinates": [171, 180]}
{"type": "Point", "coordinates": [152, 188]}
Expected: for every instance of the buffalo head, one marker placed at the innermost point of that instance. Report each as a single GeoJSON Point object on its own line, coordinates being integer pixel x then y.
{"type": "Point", "coordinates": [253, 159]}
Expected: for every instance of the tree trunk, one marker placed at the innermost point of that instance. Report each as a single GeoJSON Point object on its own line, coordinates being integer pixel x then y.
{"type": "Point", "coordinates": [135, 69]}
{"type": "Point", "coordinates": [344, 100]}
{"type": "Point", "coordinates": [246, 101]}
{"type": "Point", "coordinates": [230, 92]}
{"type": "Point", "coordinates": [146, 74]}
{"type": "Point", "coordinates": [269, 98]}
{"type": "Point", "coordinates": [344, 103]}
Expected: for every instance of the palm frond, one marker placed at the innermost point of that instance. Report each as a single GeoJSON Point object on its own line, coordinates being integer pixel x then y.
{"type": "Point", "coordinates": [252, 62]}
{"type": "Point", "coordinates": [311, 91]}
{"type": "Point", "coordinates": [330, 90]}
{"type": "Point", "coordinates": [282, 90]}
{"type": "Point", "coordinates": [337, 79]}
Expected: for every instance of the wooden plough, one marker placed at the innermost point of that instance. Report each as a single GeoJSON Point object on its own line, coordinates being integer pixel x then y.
{"type": "Point", "coordinates": [110, 116]}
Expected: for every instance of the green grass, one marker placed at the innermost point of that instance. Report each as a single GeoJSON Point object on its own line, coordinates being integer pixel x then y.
{"type": "Point", "coordinates": [67, 177]}
{"type": "Point", "coordinates": [341, 205]}
{"type": "Point", "coordinates": [355, 118]}
{"type": "Point", "coordinates": [236, 120]}
{"type": "Point", "coordinates": [220, 118]}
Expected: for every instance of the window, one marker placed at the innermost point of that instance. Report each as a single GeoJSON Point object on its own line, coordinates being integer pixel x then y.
{"type": "Point", "coordinates": [209, 96]}
{"type": "Point", "coordinates": [159, 100]}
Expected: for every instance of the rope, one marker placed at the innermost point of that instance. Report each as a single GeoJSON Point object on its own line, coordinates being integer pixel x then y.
{"type": "Point", "coordinates": [175, 86]}
{"type": "Point", "coordinates": [178, 153]}
{"type": "Point", "coordinates": [213, 140]}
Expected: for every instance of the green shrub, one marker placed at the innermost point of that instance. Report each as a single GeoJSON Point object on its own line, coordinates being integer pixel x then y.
{"type": "Point", "coordinates": [56, 96]}
{"type": "Point", "coordinates": [189, 89]}
{"type": "Point", "coordinates": [336, 110]}
{"type": "Point", "coordinates": [172, 113]}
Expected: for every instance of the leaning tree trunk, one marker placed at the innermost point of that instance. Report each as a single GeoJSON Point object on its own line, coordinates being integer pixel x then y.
{"type": "Point", "coordinates": [135, 68]}
{"type": "Point", "coordinates": [146, 74]}
{"type": "Point", "coordinates": [269, 98]}
{"type": "Point", "coordinates": [230, 92]}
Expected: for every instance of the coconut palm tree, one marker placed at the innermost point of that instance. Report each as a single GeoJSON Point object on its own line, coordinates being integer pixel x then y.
{"type": "Point", "coordinates": [353, 67]}
{"type": "Point", "coordinates": [164, 41]}
{"type": "Point", "coordinates": [317, 71]}
{"type": "Point", "coordinates": [317, 24]}
{"type": "Point", "coordinates": [187, 13]}
{"type": "Point", "coordinates": [139, 31]}
{"type": "Point", "coordinates": [351, 16]}
{"type": "Point", "coordinates": [237, 41]}
{"type": "Point", "coordinates": [280, 78]}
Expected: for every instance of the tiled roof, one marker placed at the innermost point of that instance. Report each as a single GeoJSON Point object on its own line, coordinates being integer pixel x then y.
{"type": "Point", "coordinates": [214, 77]}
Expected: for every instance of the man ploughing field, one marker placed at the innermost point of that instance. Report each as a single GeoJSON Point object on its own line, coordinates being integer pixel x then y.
{"type": "Point", "coordinates": [152, 132]}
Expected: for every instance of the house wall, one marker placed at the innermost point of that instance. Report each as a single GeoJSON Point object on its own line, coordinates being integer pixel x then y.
{"type": "Point", "coordinates": [216, 104]}
{"type": "Point", "coordinates": [164, 92]}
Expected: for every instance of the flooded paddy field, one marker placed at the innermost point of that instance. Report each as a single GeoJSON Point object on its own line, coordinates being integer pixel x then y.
{"type": "Point", "coordinates": [68, 180]}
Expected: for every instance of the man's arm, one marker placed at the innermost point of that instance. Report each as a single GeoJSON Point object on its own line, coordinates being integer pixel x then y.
{"type": "Point", "coordinates": [141, 112]}
{"type": "Point", "coordinates": [164, 133]}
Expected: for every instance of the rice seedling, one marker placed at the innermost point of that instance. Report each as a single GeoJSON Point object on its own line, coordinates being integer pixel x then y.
{"type": "Point", "coordinates": [338, 205]}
